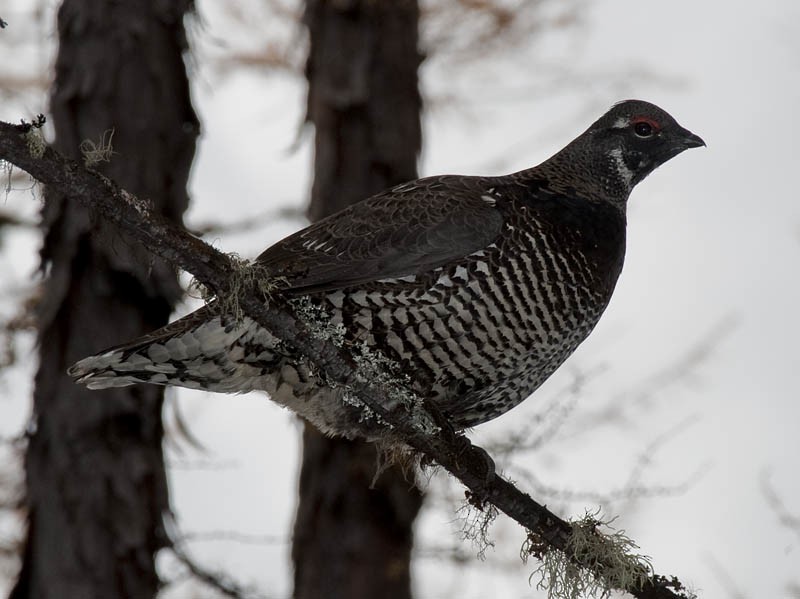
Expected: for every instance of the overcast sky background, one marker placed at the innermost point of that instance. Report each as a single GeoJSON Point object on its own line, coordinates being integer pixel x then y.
{"type": "Point", "coordinates": [713, 253]}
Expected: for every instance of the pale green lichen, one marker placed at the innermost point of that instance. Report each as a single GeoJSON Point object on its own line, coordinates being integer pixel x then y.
{"type": "Point", "coordinates": [143, 206]}
{"type": "Point", "coordinates": [36, 143]}
{"type": "Point", "coordinates": [95, 153]}
{"type": "Point", "coordinates": [366, 413]}
{"type": "Point", "coordinates": [319, 321]}
{"type": "Point", "coordinates": [8, 170]}
{"type": "Point", "coordinates": [372, 367]}
{"type": "Point", "coordinates": [476, 520]}
{"type": "Point", "coordinates": [375, 367]}
{"type": "Point", "coordinates": [198, 290]}
{"type": "Point", "coordinates": [9, 184]}
{"type": "Point", "coordinates": [608, 560]}
{"type": "Point", "coordinates": [400, 457]}
{"type": "Point", "coordinates": [246, 275]}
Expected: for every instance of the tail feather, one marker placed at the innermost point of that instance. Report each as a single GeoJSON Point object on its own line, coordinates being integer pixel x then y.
{"type": "Point", "coordinates": [201, 351]}
{"type": "Point", "coordinates": [218, 353]}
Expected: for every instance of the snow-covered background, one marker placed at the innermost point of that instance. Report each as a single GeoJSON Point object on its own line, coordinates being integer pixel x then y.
{"type": "Point", "coordinates": [688, 389]}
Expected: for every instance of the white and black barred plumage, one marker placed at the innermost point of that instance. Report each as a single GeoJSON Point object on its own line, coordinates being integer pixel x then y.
{"type": "Point", "coordinates": [478, 288]}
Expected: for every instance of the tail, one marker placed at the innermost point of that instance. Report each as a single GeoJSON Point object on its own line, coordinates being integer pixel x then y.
{"type": "Point", "coordinates": [204, 350]}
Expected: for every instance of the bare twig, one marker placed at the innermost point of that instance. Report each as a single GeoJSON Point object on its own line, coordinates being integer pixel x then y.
{"type": "Point", "coordinates": [216, 580]}
{"type": "Point", "coordinates": [221, 274]}
{"type": "Point", "coordinates": [234, 537]}
{"type": "Point", "coordinates": [788, 520]}
{"type": "Point", "coordinates": [725, 578]}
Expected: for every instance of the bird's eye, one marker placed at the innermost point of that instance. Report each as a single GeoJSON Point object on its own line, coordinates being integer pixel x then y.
{"type": "Point", "coordinates": [643, 129]}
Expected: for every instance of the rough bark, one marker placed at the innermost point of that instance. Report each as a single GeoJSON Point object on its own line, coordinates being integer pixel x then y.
{"type": "Point", "coordinates": [96, 486]}
{"type": "Point", "coordinates": [352, 540]}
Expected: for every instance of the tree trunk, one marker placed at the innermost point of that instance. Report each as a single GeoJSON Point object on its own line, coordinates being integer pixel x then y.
{"type": "Point", "coordinates": [96, 486]}
{"type": "Point", "coordinates": [350, 540]}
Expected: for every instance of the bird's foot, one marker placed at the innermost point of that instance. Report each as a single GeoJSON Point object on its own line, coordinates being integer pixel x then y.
{"type": "Point", "coordinates": [476, 455]}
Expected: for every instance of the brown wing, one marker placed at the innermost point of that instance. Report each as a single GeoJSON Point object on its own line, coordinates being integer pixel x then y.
{"type": "Point", "coordinates": [406, 230]}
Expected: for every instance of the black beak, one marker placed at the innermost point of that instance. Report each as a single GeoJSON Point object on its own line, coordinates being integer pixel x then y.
{"type": "Point", "coordinates": [690, 140]}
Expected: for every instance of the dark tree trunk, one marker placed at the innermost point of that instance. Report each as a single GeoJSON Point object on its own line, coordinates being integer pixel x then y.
{"type": "Point", "coordinates": [352, 541]}
{"type": "Point", "coordinates": [97, 491]}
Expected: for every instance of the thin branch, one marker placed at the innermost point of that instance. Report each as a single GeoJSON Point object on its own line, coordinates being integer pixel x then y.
{"type": "Point", "coordinates": [216, 580]}
{"type": "Point", "coordinates": [234, 537]}
{"type": "Point", "coordinates": [787, 519]}
{"type": "Point", "coordinates": [725, 578]}
{"type": "Point", "coordinates": [420, 427]}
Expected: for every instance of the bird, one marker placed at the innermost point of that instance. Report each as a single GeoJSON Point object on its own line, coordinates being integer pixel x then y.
{"type": "Point", "coordinates": [475, 289]}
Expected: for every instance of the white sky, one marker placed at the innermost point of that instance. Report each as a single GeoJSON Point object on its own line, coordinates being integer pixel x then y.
{"type": "Point", "coordinates": [714, 237]}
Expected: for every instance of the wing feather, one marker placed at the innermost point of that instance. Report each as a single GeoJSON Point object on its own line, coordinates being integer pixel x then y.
{"type": "Point", "coordinates": [407, 230]}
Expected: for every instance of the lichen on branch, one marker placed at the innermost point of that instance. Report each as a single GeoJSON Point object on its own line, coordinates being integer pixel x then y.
{"type": "Point", "coordinates": [596, 560]}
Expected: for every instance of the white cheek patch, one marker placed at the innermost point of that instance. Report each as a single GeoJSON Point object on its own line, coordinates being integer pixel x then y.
{"type": "Point", "coordinates": [625, 173]}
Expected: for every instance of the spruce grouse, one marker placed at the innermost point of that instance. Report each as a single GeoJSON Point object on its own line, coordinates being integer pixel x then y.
{"type": "Point", "coordinates": [477, 288]}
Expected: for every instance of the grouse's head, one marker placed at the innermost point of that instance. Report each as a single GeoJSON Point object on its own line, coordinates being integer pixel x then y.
{"type": "Point", "coordinates": [636, 137]}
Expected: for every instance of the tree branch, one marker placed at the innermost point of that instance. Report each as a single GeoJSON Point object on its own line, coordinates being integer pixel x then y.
{"type": "Point", "coordinates": [421, 427]}
{"type": "Point", "coordinates": [216, 580]}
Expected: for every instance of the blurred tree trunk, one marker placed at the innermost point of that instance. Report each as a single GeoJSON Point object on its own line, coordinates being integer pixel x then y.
{"type": "Point", "coordinates": [96, 486]}
{"type": "Point", "coordinates": [351, 541]}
